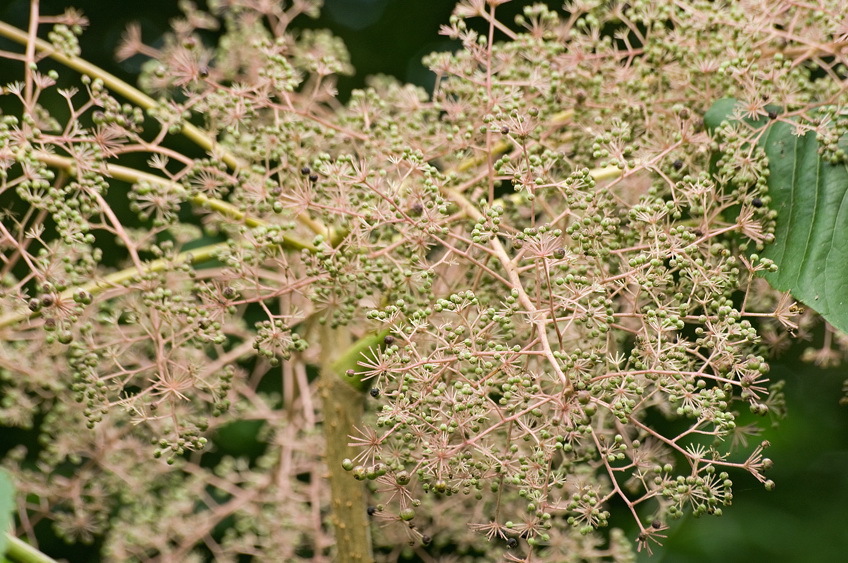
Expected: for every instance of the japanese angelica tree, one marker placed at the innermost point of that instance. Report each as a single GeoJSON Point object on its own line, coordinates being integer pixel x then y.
{"type": "Point", "coordinates": [489, 314]}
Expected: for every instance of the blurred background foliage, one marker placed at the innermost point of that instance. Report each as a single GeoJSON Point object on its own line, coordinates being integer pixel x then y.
{"type": "Point", "coordinates": [802, 520]}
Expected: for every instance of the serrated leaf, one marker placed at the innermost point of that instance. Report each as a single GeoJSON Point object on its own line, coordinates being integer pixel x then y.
{"type": "Point", "coordinates": [7, 507]}
{"type": "Point", "coordinates": [810, 196]}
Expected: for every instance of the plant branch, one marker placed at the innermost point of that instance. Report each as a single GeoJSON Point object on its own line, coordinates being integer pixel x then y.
{"type": "Point", "coordinates": [537, 316]}
{"type": "Point", "coordinates": [116, 85]}
{"type": "Point", "coordinates": [18, 551]}
{"type": "Point", "coordinates": [116, 279]}
{"type": "Point", "coordinates": [133, 176]}
{"type": "Point", "coordinates": [136, 96]}
{"type": "Point", "coordinates": [29, 57]}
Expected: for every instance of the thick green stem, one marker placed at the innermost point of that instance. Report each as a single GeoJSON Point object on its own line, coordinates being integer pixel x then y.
{"type": "Point", "coordinates": [343, 409]}
{"type": "Point", "coordinates": [20, 552]}
{"type": "Point", "coordinates": [346, 364]}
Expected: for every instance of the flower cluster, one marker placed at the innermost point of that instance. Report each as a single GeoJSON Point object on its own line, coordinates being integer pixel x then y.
{"type": "Point", "coordinates": [558, 261]}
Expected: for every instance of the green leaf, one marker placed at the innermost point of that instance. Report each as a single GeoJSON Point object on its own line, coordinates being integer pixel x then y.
{"type": "Point", "coordinates": [7, 507]}
{"type": "Point", "coordinates": [810, 196]}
